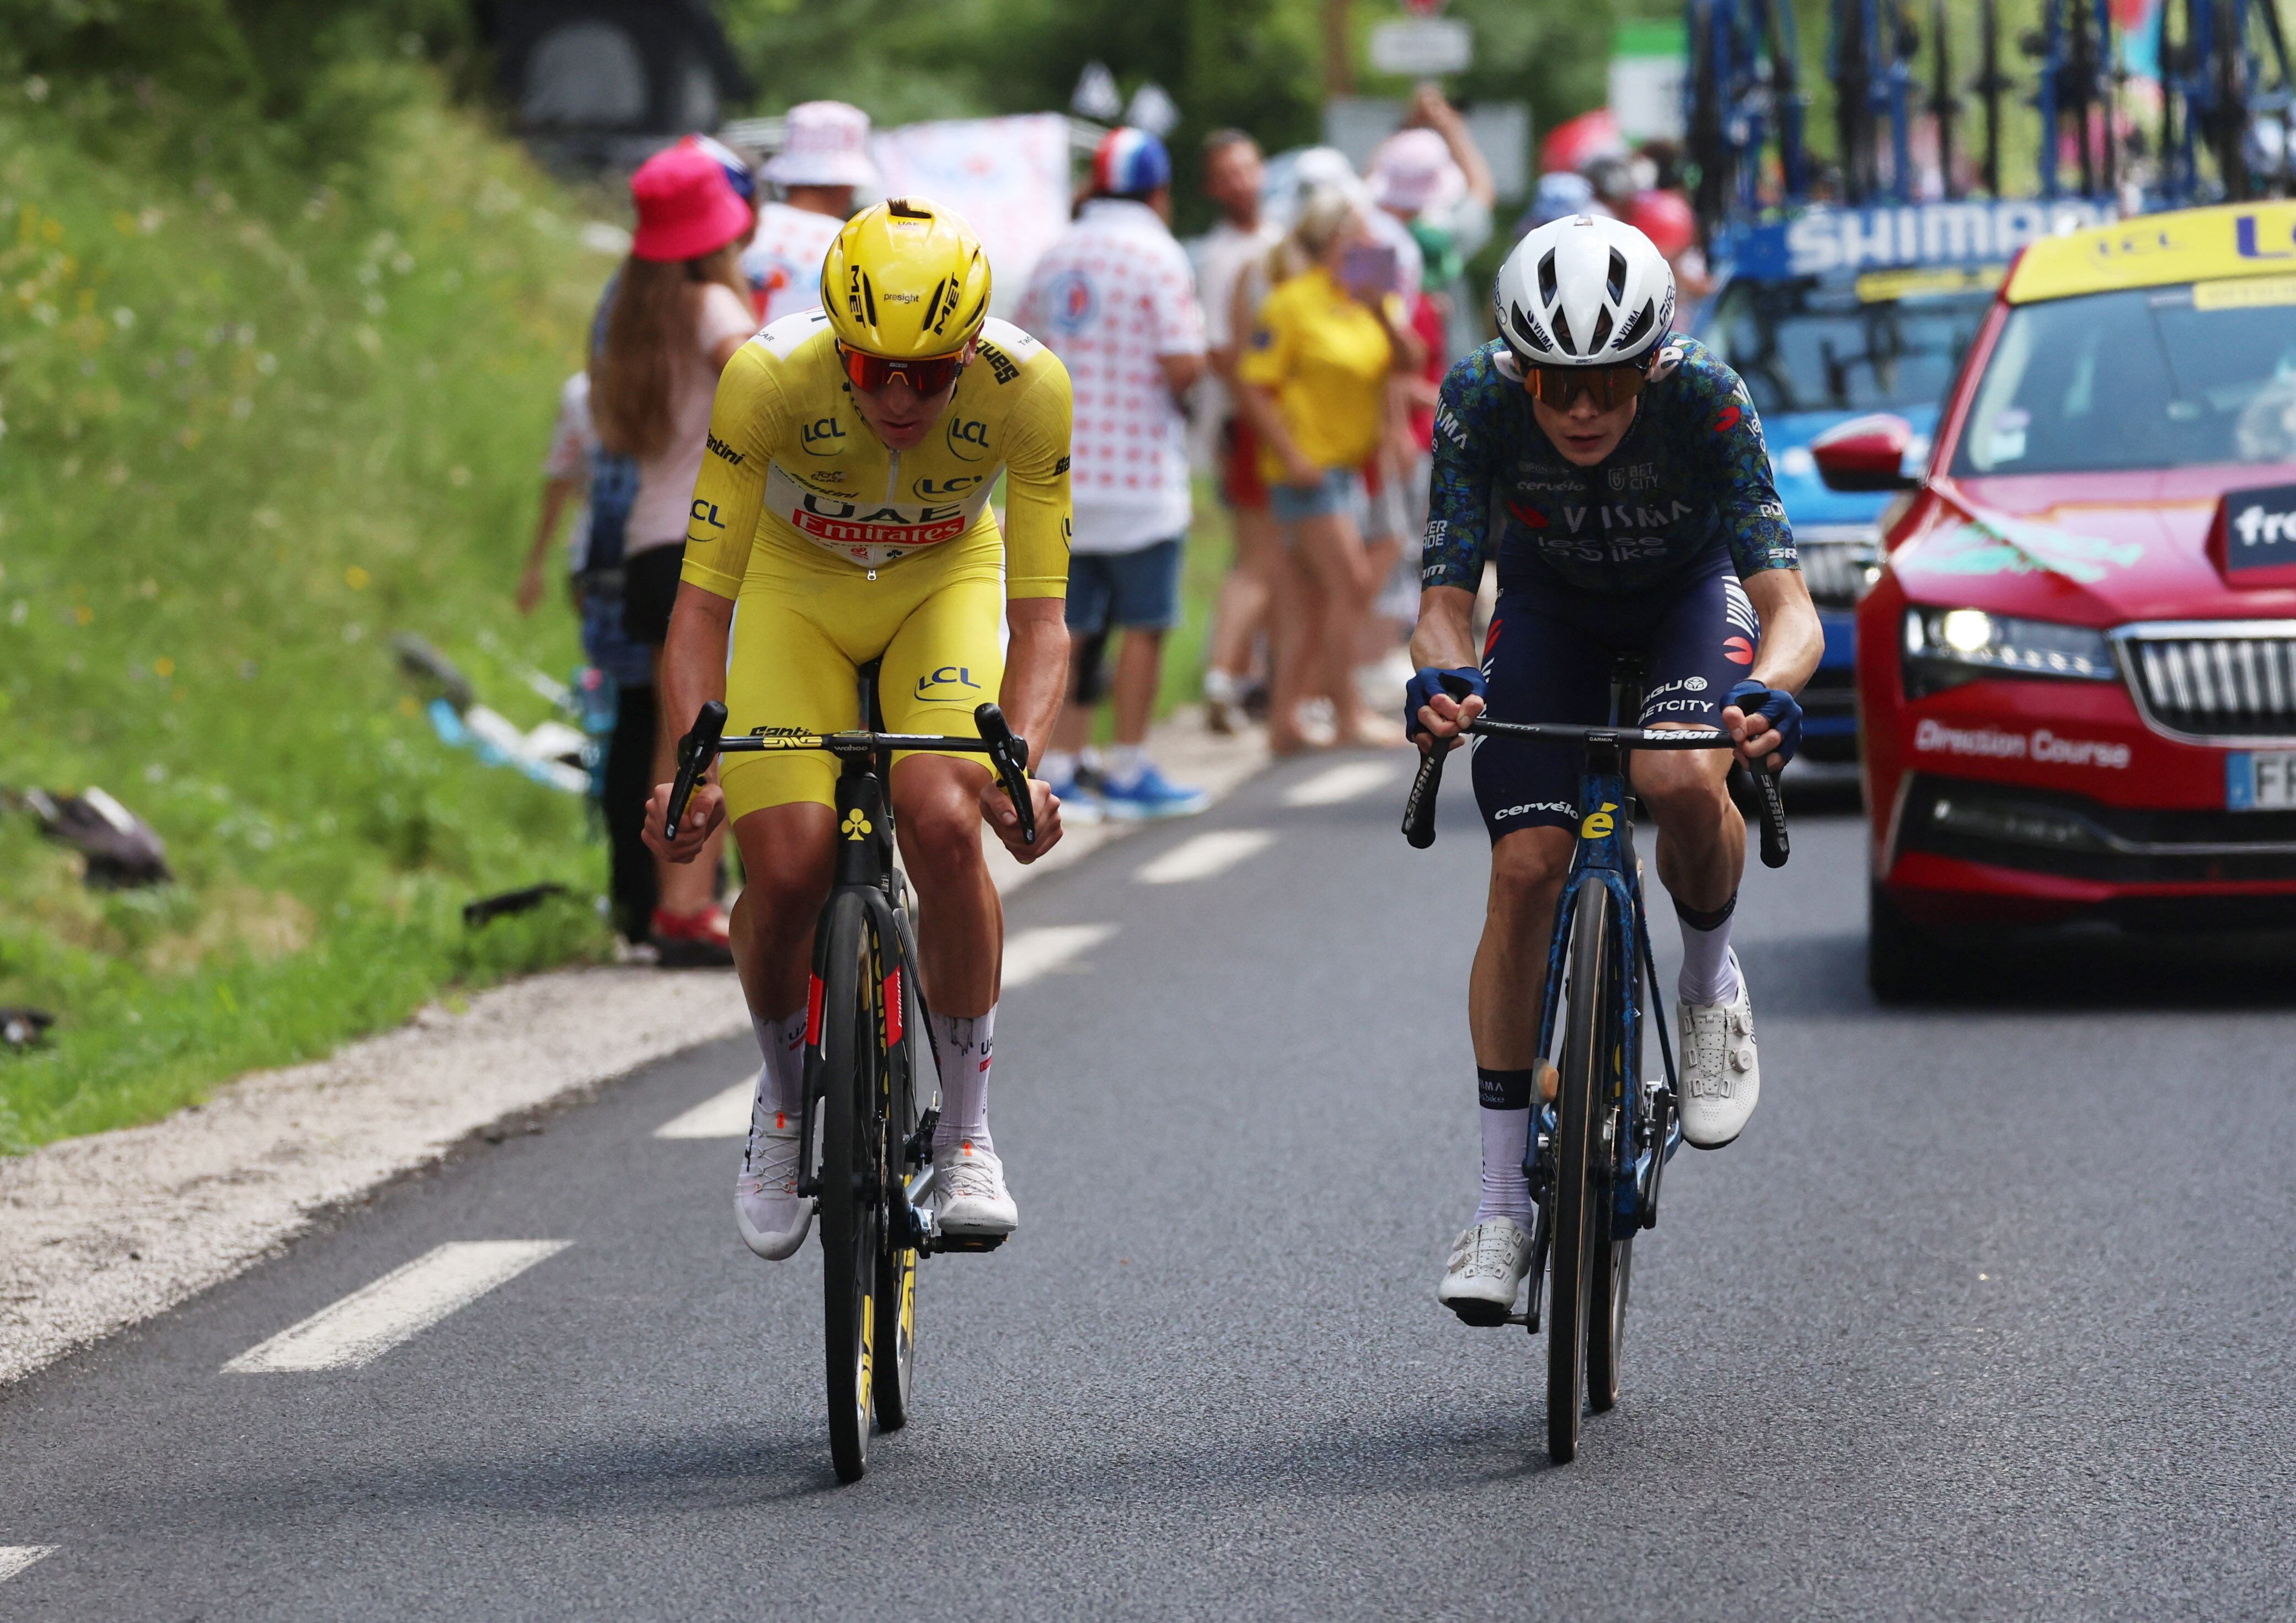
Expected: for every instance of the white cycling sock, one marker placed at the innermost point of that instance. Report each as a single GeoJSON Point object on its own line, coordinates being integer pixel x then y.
{"type": "Point", "coordinates": [1709, 973]}
{"type": "Point", "coordinates": [1505, 1115]}
{"type": "Point", "coordinates": [1125, 763]}
{"type": "Point", "coordinates": [965, 1043]}
{"type": "Point", "coordinates": [781, 1084]}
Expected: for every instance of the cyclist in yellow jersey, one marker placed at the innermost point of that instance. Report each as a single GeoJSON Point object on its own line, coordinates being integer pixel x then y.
{"type": "Point", "coordinates": [843, 515]}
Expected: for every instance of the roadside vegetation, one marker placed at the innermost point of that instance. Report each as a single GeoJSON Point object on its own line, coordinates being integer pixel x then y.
{"type": "Point", "coordinates": [276, 382]}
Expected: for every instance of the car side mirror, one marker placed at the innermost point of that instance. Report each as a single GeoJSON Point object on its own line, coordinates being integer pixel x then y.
{"type": "Point", "coordinates": [1864, 454]}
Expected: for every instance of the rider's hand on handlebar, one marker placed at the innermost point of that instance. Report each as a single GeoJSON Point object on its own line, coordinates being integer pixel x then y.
{"type": "Point", "coordinates": [1768, 733]}
{"type": "Point", "coordinates": [1434, 710]}
{"type": "Point", "coordinates": [998, 808]}
{"type": "Point", "coordinates": [703, 813]}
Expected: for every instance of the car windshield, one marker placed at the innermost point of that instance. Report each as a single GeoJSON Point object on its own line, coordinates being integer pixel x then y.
{"type": "Point", "coordinates": [2145, 378]}
{"type": "Point", "coordinates": [1809, 345]}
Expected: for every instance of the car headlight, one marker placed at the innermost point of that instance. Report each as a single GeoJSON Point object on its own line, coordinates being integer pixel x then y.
{"type": "Point", "coordinates": [1946, 647]}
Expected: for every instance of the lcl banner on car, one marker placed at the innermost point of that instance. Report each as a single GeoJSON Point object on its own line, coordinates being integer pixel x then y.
{"type": "Point", "coordinates": [1825, 239]}
{"type": "Point", "coordinates": [1008, 178]}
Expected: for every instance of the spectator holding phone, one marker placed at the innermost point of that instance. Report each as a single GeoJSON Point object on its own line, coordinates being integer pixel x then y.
{"type": "Point", "coordinates": [1314, 382]}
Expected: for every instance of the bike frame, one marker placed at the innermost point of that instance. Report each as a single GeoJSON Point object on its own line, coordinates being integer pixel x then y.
{"type": "Point", "coordinates": [1604, 855]}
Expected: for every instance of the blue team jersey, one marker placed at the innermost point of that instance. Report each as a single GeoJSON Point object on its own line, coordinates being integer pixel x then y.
{"type": "Point", "coordinates": [1691, 474]}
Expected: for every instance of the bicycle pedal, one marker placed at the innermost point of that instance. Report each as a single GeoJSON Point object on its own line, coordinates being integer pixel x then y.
{"type": "Point", "coordinates": [1529, 1320]}
{"type": "Point", "coordinates": [972, 1243]}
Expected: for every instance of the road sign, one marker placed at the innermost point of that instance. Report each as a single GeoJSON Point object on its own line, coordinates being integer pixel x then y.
{"type": "Point", "coordinates": [1419, 46]}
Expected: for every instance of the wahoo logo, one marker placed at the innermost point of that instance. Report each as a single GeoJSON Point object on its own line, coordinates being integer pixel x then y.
{"type": "Point", "coordinates": [948, 676]}
{"type": "Point", "coordinates": [818, 433]}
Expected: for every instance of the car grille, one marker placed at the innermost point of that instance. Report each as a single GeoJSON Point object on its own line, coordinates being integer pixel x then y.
{"type": "Point", "coordinates": [2226, 681]}
{"type": "Point", "coordinates": [2049, 831]}
{"type": "Point", "coordinates": [1834, 559]}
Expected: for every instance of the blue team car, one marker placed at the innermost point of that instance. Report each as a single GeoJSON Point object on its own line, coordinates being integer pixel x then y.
{"type": "Point", "coordinates": [1833, 313]}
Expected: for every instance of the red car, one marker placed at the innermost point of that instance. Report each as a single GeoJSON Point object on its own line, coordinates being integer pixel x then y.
{"type": "Point", "coordinates": [2077, 671]}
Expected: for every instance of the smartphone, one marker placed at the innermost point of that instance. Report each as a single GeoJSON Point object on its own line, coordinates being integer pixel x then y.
{"type": "Point", "coordinates": [1371, 269]}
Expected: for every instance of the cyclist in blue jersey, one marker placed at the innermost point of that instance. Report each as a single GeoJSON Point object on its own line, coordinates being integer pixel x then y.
{"type": "Point", "coordinates": [1614, 470]}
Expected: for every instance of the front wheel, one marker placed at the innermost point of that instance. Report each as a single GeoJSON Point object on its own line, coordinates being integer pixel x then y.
{"type": "Point", "coordinates": [1580, 1191]}
{"type": "Point", "coordinates": [852, 1151]}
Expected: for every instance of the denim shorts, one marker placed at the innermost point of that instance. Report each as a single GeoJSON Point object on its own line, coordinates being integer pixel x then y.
{"type": "Point", "coordinates": [1339, 491]}
{"type": "Point", "coordinates": [1140, 589]}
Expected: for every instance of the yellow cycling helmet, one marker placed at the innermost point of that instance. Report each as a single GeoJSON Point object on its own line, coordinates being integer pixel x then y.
{"type": "Point", "coordinates": [906, 280]}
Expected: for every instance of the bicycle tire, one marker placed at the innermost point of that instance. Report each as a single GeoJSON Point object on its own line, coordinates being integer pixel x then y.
{"type": "Point", "coordinates": [850, 1179]}
{"type": "Point", "coordinates": [1577, 1209]}
{"type": "Point", "coordinates": [1606, 1327]}
{"type": "Point", "coordinates": [897, 1263]}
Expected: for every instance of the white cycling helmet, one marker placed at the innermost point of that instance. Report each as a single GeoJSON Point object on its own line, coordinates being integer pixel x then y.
{"type": "Point", "coordinates": [1584, 292]}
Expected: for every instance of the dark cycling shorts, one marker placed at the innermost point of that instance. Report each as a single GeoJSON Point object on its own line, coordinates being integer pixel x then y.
{"type": "Point", "coordinates": [1547, 658]}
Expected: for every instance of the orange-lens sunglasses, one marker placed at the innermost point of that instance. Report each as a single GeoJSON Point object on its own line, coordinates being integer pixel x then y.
{"type": "Point", "coordinates": [1611, 386]}
{"type": "Point", "coordinates": [927, 377]}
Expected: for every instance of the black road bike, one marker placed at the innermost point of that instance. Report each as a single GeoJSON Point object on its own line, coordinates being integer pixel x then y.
{"type": "Point", "coordinates": [1599, 1148]}
{"type": "Point", "coordinates": [872, 1079]}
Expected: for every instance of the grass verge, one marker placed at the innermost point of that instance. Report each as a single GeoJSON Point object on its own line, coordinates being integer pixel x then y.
{"type": "Point", "coordinates": [247, 437]}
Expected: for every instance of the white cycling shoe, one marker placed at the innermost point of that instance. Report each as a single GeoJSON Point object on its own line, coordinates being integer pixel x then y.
{"type": "Point", "coordinates": [968, 1195]}
{"type": "Point", "coordinates": [1721, 1076]}
{"type": "Point", "coordinates": [1489, 1263]}
{"type": "Point", "coordinates": [773, 1216]}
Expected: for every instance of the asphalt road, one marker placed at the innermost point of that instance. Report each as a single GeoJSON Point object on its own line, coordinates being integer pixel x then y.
{"type": "Point", "coordinates": [1987, 1315]}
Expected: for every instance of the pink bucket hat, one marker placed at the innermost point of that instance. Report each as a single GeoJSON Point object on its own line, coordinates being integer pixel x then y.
{"type": "Point", "coordinates": [686, 206]}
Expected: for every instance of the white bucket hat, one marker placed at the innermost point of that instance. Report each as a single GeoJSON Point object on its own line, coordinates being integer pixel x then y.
{"type": "Point", "coordinates": [1414, 171]}
{"type": "Point", "coordinates": [825, 144]}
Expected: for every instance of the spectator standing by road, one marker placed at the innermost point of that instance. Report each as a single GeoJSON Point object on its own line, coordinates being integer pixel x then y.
{"type": "Point", "coordinates": [1114, 298]}
{"type": "Point", "coordinates": [1233, 176]}
{"type": "Point", "coordinates": [1315, 383]}
{"type": "Point", "coordinates": [624, 666]}
{"type": "Point", "coordinates": [680, 310]}
{"type": "Point", "coordinates": [825, 155]}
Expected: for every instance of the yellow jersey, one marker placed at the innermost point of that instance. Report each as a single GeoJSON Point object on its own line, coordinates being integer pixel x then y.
{"type": "Point", "coordinates": [792, 466]}
{"type": "Point", "coordinates": [1325, 358]}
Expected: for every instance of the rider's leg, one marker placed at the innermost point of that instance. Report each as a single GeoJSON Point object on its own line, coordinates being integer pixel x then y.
{"type": "Point", "coordinates": [787, 854]}
{"type": "Point", "coordinates": [1504, 993]}
{"type": "Point", "coordinates": [1701, 856]}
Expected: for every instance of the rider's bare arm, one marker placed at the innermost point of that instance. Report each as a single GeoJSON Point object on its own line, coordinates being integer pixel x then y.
{"type": "Point", "coordinates": [1792, 642]}
{"type": "Point", "coordinates": [1444, 638]}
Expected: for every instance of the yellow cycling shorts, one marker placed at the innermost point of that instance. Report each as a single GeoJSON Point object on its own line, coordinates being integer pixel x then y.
{"type": "Point", "coordinates": [803, 628]}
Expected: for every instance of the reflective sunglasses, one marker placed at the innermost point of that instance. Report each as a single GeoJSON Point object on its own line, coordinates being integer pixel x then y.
{"type": "Point", "coordinates": [1611, 386]}
{"type": "Point", "coordinates": [927, 377]}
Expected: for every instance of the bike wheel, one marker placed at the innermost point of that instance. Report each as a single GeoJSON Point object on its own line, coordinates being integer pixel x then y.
{"type": "Point", "coordinates": [1579, 1224]}
{"type": "Point", "coordinates": [851, 1159]}
{"type": "Point", "coordinates": [897, 1263]}
{"type": "Point", "coordinates": [1606, 1330]}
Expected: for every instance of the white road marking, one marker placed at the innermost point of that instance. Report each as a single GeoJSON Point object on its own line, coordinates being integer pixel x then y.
{"type": "Point", "coordinates": [1205, 855]}
{"type": "Point", "coordinates": [721, 1115]}
{"type": "Point", "coordinates": [1349, 780]}
{"type": "Point", "coordinates": [403, 1302]}
{"type": "Point", "coordinates": [1035, 952]}
{"type": "Point", "coordinates": [15, 1558]}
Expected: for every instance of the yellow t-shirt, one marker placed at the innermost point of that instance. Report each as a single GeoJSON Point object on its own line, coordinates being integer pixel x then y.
{"type": "Point", "coordinates": [790, 466]}
{"type": "Point", "coordinates": [1325, 358]}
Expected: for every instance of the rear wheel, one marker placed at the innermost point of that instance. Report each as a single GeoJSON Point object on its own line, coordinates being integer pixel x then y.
{"type": "Point", "coordinates": [1606, 1333]}
{"type": "Point", "coordinates": [851, 1170]}
{"type": "Point", "coordinates": [1579, 1196]}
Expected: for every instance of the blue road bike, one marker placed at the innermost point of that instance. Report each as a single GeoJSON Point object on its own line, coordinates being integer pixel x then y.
{"type": "Point", "coordinates": [1600, 1145]}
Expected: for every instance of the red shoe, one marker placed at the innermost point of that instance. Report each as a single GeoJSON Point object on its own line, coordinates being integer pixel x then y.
{"type": "Point", "coordinates": [701, 940]}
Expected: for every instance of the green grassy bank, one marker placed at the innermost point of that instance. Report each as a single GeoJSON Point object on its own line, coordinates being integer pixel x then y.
{"type": "Point", "coordinates": [252, 428]}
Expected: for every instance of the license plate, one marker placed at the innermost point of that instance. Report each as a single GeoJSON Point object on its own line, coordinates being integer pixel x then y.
{"type": "Point", "coordinates": [2261, 780]}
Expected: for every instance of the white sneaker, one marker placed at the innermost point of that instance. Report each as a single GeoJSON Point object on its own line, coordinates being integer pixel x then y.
{"type": "Point", "coordinates": [967, 1191]}
{"type": "Point", "coordinates": [1721, 1078]}
{"type": "Point", "coordinates": [774, 1218]}
{"type": "Point", "coordinates": [1489, 1263]}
